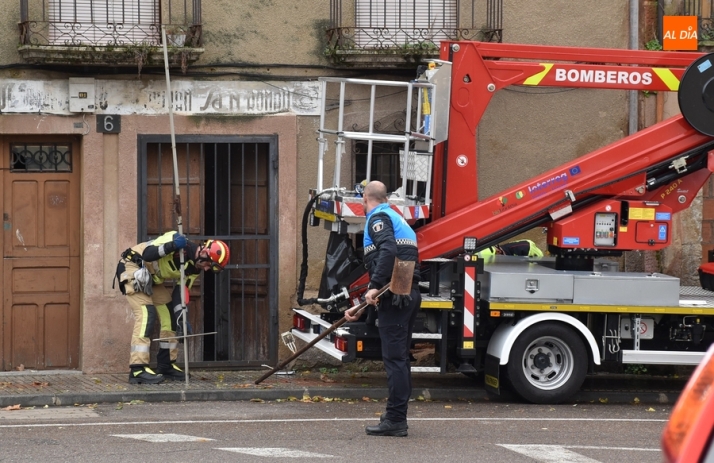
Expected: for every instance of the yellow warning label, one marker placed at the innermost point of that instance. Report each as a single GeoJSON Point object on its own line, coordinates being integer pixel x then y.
{"type": "Point", "coordinates": [623, 229]}
{"type": "Point", "coordinates": [468, 345]}
{"type": "Point", "coordinates": [642, 213]}
{"type": "Point", "coordinates": [491, 381]}
{"type": "Point", "coordinates": [325, 216]}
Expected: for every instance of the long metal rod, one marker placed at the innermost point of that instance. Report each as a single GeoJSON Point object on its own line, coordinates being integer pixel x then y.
{"type": "Point", "coordinates": [359, 308]}
{"type": "Point", "coordinates": [177, 201]}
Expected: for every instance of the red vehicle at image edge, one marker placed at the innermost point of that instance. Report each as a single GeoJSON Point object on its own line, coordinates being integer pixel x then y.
{"type": "Point", "coordinates": [534, 324]}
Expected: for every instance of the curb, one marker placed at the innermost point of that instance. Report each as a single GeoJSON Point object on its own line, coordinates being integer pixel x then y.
{"type": "Point", "coordinates": [69, 399]}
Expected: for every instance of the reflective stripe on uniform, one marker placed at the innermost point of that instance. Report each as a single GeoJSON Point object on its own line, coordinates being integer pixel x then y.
{"type": "Point", "coordinates": [137, 348]}
{"type": "Point", "coordinates": [144, 320]}
{"type": "Point", "coordinates": [163, 311]}
{"type": "Point", "coordinates": [168, 345]}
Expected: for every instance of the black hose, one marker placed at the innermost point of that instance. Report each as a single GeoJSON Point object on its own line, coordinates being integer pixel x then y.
{"type": "Point", "coordinates": [303, 266]}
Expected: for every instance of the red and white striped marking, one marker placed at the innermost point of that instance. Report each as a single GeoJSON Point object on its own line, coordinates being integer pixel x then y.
{"type": "Point", "coordinates": [469, 301]}
{"type": "Point", "coordinates": [351, 209]}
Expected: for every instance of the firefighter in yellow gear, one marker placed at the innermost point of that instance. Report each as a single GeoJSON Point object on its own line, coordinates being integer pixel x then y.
{"type": "Point", "coordinates": [514, 248]}
{"type": "Point", "coordinates": [141, 273]}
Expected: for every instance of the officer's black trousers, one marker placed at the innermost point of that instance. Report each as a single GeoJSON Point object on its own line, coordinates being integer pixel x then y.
{"type": "Point", "coordinates": [395, 330]}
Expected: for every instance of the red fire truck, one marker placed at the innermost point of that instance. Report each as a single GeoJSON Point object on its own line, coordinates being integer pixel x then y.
{"type": "Point", "coordinates": [534, 324]}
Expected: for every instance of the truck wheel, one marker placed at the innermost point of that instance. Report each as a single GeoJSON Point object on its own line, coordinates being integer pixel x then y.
{"type": "Point", "coordinates": [547, 363]}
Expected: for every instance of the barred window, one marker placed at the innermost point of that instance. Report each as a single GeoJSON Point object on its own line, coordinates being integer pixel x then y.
{"type": "Point", "coordinates": [40, 158]}
{"type": "Point", "coordinates": [381, 23]}
{"type": "Point", "coordinates": [104, 22]}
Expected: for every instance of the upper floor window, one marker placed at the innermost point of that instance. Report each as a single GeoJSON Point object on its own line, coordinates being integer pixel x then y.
{"type": "Point", "coordinates": [104, 22]}
{"type": "Point", "coordinates": [381, 23]}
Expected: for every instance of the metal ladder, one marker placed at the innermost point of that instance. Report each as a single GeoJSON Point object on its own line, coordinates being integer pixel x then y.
{"type": "Point", "coordinates": [340, 204]}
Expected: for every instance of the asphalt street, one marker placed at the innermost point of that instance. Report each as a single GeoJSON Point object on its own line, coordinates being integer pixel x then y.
{"type": "Point", "coordinates": [35, 388]}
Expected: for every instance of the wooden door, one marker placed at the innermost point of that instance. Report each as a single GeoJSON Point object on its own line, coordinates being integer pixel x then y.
{"type": "Point", "coordinates": [41, 271]}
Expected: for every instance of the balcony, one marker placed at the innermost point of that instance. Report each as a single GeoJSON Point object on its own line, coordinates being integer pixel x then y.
{"type": "Point", "coordinates": [389, 33]}
{"type": "Point", "coordinates": [109, 32]}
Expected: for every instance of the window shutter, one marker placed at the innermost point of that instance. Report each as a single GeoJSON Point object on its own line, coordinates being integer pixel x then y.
{"type": "Point", "coordinates": [75, 22]}
{"type": "Point", "coordinates": [389, 23]}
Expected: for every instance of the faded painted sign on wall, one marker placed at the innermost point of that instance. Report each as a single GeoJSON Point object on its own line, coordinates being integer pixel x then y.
{"type": "Point", "coordinates": [149, 97]}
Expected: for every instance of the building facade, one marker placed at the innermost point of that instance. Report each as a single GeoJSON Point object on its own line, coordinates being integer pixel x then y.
{"type": "Point", "coordinates": [87, 156]}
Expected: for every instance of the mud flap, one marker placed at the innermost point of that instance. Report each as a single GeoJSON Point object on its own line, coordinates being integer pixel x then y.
{"type": "Point", "coordinates": [492, 379]}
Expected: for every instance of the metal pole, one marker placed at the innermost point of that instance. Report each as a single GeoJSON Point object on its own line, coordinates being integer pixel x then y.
{"type": "Point", "coordinates": [634, 44]}
{"type": "Point", "coordinates": [177, 201]}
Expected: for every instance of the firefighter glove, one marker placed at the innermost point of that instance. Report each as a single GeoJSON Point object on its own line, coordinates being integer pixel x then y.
{"type": "Point", "coordinates": [143, 281]}
{"type": "Point", "coordinates": [179, 241]}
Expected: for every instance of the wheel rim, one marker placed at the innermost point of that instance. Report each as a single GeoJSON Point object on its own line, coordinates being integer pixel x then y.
{"type": "Point", "coordinates": [547, 363]}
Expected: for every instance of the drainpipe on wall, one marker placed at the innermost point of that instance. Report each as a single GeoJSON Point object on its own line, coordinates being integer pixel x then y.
{"type": "Point", "coordinates": [634, 45]}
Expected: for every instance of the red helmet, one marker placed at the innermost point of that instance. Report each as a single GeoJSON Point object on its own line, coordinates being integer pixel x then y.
{"type": "Point", "coordinates": [218, 253]}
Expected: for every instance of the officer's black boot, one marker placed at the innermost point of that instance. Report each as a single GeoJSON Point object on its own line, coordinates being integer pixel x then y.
{"type": "Point", "coordinates": [388, 428]}
{"type": "Point", "coordinates": [383, 417]}
{"type": "Point", "coordinates": [142, 374]}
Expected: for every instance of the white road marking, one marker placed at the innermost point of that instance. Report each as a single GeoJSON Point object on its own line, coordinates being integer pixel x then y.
{"type": "Point", "coordinates": [168, 437]}
{"type": "Point", "coordinates": [562, 454]}
{"type": "Point", "coordinates": [620, 449]}
{"type": "Point", "coordinates": [309, 420]}
{"type": "Point", "coordinates": [276, 452]}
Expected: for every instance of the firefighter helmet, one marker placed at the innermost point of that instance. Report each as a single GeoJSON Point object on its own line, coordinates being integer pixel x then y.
{"type": "Point", "coordinates": [218, 253]}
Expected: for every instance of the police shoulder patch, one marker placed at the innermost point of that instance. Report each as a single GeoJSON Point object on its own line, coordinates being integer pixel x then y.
{"type": "Point", "coordinates": [377, 226]}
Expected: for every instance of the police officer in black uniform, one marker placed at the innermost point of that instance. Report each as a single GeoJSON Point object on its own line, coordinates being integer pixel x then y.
{"type": "Point", "coordinates": [388, 236]}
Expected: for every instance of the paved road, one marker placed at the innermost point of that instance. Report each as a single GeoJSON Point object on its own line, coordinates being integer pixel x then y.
{"type": "Point", "coordinates": [37, 389]}
{"type": "Point", "coordinates": [262, 431]}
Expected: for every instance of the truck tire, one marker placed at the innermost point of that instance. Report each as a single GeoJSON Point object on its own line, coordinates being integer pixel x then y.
{"type": "Point", "coordinates": [547, 363]}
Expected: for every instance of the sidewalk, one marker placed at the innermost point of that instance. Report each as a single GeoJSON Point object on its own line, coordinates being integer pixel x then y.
{"type": "Point", "coordinates": [67, 388]}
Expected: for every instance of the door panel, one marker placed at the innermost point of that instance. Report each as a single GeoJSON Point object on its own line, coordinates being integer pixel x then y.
{"type": "Point", "coordinates": [41, 313]}
{"type": "Point", "coordinates": [41, 272]}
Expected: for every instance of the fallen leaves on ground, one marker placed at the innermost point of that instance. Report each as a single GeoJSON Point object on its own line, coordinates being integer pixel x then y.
{"type": "Point", "coordinates": [326, 379]}
{"type": "Point", "coordinates": [20, 367]}
{"type": "Point", "coordinates": [603, 401]}
{"type": "Point", "coordinates": [12, 407]}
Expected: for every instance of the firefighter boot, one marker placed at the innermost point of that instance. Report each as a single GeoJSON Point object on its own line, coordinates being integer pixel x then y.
{"type": "Point", "coordinates": [172, 372]}
{"type": "Point", "coordinates": [144, 375]}
{"type": "Point", "coordinates": [388, 428]}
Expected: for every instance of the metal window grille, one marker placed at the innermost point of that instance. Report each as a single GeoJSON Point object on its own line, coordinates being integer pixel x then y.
{"type": "Point", "coordinates": [104, 22]}
{"type": "Point", "coordinates": [109, 23]}
{"type": "Point", "coordinates": [703, 10]}
{"type": "Point", "coordinates": [40, 158]}
{"type": "Point", "coordinates": [404, 21]}
{"type": "Point", "coordinates": [414, 26]}
{"type": "Point", "coordinates": [228, 192]}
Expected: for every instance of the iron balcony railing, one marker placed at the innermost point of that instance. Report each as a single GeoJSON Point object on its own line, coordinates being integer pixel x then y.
{"type": "Point", "coordinates": [410, 25]}
{"type": "Point", "coordinates": [109, 23]}
{"type": "Point", "coordinates": [702, 9]}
